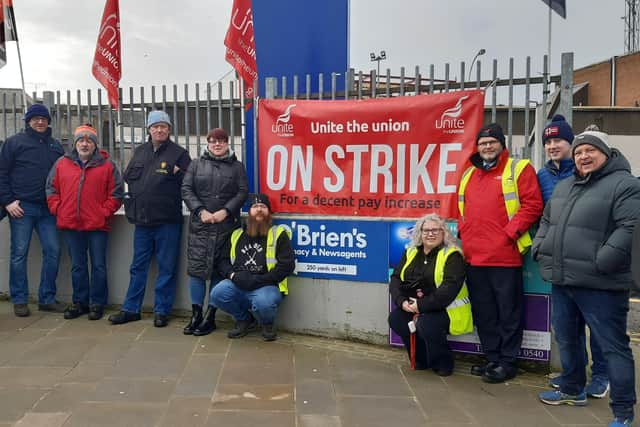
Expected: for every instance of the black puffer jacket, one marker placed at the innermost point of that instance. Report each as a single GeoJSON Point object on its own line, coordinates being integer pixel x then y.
{"type": "Point", "coordinates": [584, 238]}
{"type": "Point", "coordinates": [212, 184]}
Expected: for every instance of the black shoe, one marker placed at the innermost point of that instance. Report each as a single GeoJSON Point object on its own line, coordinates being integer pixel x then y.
{"type": "Point", "coordinates": [443, 372]}
{"type": "Point", "coordinates": [124, 317]}
{"type": "Point", "coordinates": [479, 370]}
{"type": "Point", "coordinates": [208, 324]}
{"type": "Point", "coordinates": [499, 374]}
{"type": "Point", "coordinates": [54, 307]}
{"type": "Point", "coordinates": [76, 310]}
{"type": "Point", "coordinates": [21, 310]}
{"type": "Point", "coordinates": [95, 312]}
{"type": "Point", "coordinates": [196, 319]}
{"type": "Point", "coordinates": [242, 328]}
{"type": "Point", "coordinates": [269, 333]}
{"type": "Point", "coordinates": [160, 320]}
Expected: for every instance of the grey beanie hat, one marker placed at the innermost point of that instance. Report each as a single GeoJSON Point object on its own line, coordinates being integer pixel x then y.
{"type": "Point", "coordinates": [598, 139]}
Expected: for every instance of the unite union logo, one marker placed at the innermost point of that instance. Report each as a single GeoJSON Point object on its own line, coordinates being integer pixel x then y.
{"type": "Point", "coordinates": [282, 127]}
{"type": "Point", "coordinates": [450, 121]}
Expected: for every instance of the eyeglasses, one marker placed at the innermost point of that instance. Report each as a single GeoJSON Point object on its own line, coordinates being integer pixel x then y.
{"type": "Point", "coordinates": [39, 119]}
{"type": "Point", "coordinates": [488, 143]}
{"type": "Point", "coordinates": [217, 141]}
{"type": "Point", "coordinates": [431, 231]}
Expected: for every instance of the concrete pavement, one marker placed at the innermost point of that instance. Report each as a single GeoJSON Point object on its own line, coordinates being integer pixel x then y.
{"type": "Point", "coordinates": [56, 372]}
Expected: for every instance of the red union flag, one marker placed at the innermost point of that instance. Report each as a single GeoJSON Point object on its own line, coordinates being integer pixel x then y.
{"type": "Point", "coordinates": [106, 61]}
{"type": "Point", "coordinates": [7, 28]}
{"type": "Point", "coordinates": [241, 47]}
{"type": "Point", "coordinates": [396, 157]}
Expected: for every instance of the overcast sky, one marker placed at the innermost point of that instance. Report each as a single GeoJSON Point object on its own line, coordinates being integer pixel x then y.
{"type": "Point", "coordinates": [168, 41]}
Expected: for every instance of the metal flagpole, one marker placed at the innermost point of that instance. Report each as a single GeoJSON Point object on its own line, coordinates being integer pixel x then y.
{"type": "Point", "coordinates": [24, 91]}
{"type": "Point", "coordinates": [549, 39]}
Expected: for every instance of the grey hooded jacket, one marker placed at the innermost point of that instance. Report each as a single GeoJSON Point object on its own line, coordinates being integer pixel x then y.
{"type": "Point", "coordinates": [584, 238]}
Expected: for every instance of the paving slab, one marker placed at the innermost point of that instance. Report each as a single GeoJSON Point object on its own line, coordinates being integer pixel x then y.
{"type": "Point", "coordinates": [32, 376]}
{"type": "Point", "coordinates": [317, 420]}
{"type": "Point", "coordinates": [15, 402]}
{"type": "Point", "coordinates": [154, 360]}
{"type": "Point", "coordinates": [63, 398]}
{"type": "Point", "coordinates": [379, 411]}
{"type": "Point", "coordinates": [251, 419]}
{"type": "Point", "coordinates": [273, 397]}
{"type": "Point", "coordinates": [359, 376]}
{"type": "Point", "coordinates": [132, 390]}
{"type": "Point", "coordinates": [201, 375]}
{"type": "Point", "coordinates": [101, 414]}
{"type": "Point", "coordinates": [51, 351]}
{"type": "Point", "coordinates": [50, 419]}
{"type": "Point", "coordinates": [186, 411]}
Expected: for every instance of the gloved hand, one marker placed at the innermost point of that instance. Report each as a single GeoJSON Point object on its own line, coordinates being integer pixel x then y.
{"type": "Point", "coordinates": [244, 280]}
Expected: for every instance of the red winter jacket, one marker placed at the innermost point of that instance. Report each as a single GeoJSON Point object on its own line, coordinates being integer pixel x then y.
{"type": "Point", "coordinates": [84, 198]}
{"type": "Point", "coordinates": [488, 237]}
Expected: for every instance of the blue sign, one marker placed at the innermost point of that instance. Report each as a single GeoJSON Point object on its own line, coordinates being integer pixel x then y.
{"type": "Point", "coordinates": [343, 250]}
{"type": "Point", "coordinates": [296, 37]}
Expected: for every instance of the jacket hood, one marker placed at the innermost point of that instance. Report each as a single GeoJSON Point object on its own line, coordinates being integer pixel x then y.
{"type": "Point", "coordinates": [617, 162]}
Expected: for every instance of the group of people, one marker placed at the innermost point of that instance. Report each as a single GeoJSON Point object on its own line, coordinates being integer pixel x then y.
{"type": "Point", "coordinates": [587, 204]}
{"type": "Point", "coordinates": [585, 200]}
{"type": "Point", "coordinates": [42, 188]}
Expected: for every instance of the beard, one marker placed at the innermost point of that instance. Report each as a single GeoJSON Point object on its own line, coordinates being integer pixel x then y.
{"type": "Point", "coordinates": [259, 225]}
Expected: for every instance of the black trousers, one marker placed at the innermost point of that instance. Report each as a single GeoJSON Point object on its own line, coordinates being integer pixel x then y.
{"type": "Point", "coordinates": [497, 303]}
{"type": "Point", "coordinates": [432, 348]}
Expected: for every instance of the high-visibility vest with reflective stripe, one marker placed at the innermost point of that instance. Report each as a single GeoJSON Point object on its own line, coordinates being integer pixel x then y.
{"type": "Point", "coordinates": [270, 255]}
{"type": "Point", "coordinates": [459, 311]}
{"type": "Point", "coordinates": [509, 192]}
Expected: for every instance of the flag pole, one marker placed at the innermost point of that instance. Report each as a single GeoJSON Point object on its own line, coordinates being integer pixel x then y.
{"type": "Point", "coordinates": [24, 92]}
{"type": "Point", "coordinates": [549, 40]}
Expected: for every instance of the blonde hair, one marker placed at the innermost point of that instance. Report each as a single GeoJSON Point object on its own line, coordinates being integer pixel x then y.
{"type": "Point", "coordinates": [448, 239]}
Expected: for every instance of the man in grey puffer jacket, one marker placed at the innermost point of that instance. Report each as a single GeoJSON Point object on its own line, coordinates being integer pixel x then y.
{"type": "Point", "coordinates": [583, 247]}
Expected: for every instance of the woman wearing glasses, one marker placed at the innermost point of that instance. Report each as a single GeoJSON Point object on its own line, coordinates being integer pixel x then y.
{"type": "Point", "coordinates": [214, 189]}
{"type": "Point", "coordinates": [432, 300]}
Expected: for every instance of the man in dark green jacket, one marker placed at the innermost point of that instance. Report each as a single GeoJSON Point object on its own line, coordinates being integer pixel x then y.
{"type": "Point", "coordinates": [583, 247]}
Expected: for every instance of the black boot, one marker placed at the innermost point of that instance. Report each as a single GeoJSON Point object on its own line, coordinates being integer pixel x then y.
{"type": "Point", "coordinates": [208, 324]}
{"type": "Point", "coordinates": [196, 319]}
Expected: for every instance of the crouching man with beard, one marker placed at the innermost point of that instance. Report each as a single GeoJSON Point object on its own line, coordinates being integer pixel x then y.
{"type": "Point", "coordinates": [256, 263]}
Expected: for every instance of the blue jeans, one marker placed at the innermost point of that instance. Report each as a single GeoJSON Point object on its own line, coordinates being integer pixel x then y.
{"type": "Point", "coordinates": [87, 291]}
{"type": "Point", "coordinates": [262, 302]}
{"type": "Point", "coordinates": [197, 290]}
{"type": "Point", "coordinates": [36, 216]}
{"type": "Point", "coordinates": [605, 312]}
{"type": "Point", "coordinates": [163, 241]}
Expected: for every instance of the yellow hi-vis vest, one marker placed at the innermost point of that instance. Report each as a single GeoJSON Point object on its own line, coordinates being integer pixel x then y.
{"type": "Point", "coordinates": [459, 311]}
{"type": "Point", "coordinates": [509, 192]}
{"type": "Point", "coordinates": [272, 239]}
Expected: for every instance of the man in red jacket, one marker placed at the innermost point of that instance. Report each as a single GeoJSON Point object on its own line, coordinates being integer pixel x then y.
{"type": "Point", "coordinates": [498, 199]}
{"type": "Point", "coordinates": [84, 190]}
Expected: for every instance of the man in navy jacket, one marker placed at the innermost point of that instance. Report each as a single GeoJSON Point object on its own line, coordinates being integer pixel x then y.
{"type": "Point", "coordinates": [25, 161]}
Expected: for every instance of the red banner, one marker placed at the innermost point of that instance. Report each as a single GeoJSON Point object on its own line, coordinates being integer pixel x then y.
{"type": "Point", "coordinates": [398, 157]}
{"type": "Point", "coordinates": [106, 61]}
{"type": "Point", "coordinates": [241, 47]}
{"type": "Point", "coordinates": [7, 27]}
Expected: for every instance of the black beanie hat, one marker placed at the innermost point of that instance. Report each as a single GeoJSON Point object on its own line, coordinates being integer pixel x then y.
{"type": "Point", "coordinates": [256, 198]}
{"type": "Point", "coordinates": [558, 128]}
{"type": "Point", "coordinates": [493, 130]}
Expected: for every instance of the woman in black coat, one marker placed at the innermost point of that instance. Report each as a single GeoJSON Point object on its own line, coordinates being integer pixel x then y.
{"type": "Point", "coordinates": [214, 189]}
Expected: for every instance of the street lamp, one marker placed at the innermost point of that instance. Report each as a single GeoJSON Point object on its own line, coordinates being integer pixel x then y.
{"type": "Point", "coordinates": [480, 53]}
{"type": "Point", "coordinates": [378, 58]}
